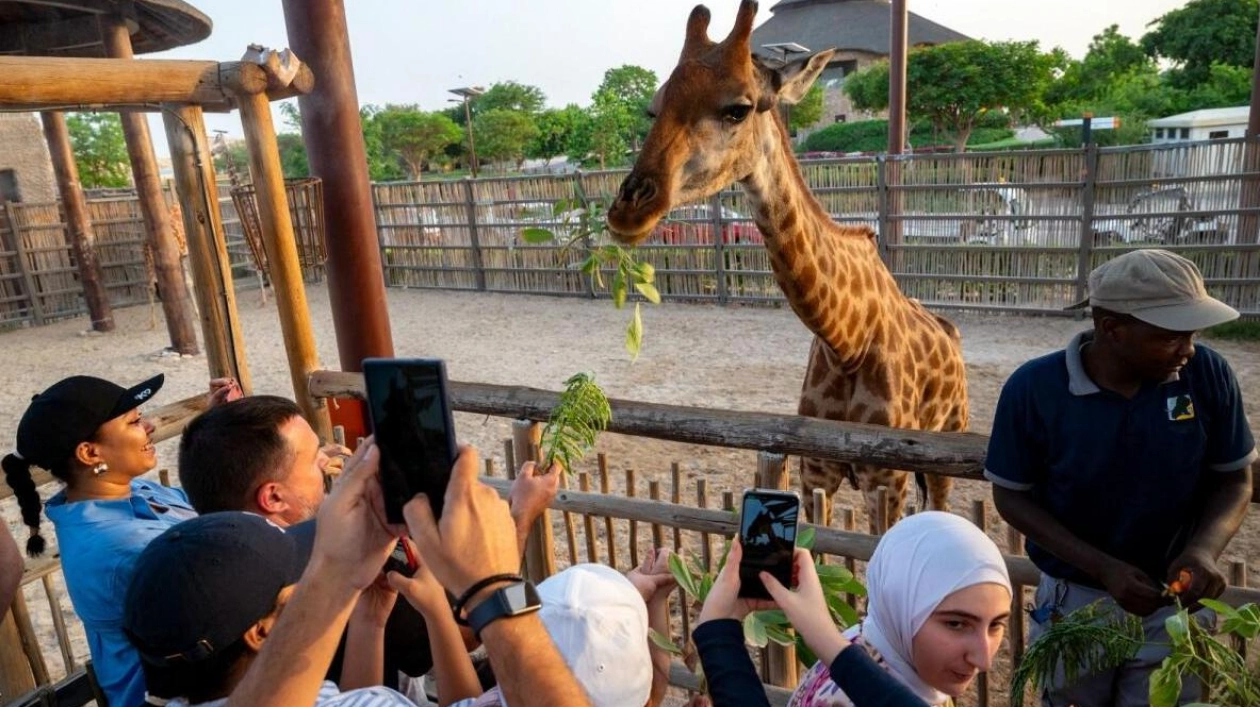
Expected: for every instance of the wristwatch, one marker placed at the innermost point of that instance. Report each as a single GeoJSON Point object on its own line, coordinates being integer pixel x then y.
{"type": "Point", "coordinates": [509, 600]}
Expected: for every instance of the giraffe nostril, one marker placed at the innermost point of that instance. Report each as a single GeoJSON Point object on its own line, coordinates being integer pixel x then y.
{"type": "Point", "coordinates": [637, 191]}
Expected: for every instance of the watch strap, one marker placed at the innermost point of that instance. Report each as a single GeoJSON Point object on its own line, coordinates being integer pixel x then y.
{"type": "Point", "coordinates": [510, 600]}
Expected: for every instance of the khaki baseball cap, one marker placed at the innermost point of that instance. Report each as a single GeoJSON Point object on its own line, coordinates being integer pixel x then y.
{"type": "Point", "coordinates": [1158, 287]}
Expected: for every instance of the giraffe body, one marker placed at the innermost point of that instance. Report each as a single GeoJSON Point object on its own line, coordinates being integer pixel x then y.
{"type": "Point", "coordinates": [878, 357]}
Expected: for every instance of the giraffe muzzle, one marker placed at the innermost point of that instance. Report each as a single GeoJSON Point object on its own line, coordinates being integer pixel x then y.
{"type": "Point", "coordinates": [637, 192]}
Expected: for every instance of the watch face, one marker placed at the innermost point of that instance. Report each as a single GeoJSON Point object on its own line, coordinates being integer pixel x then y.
{"type": "Point", "coordinates": [516, 595]}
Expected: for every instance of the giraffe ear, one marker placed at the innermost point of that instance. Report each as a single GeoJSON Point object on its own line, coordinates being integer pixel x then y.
{"type": "Point", "coordinates": [795, 78]}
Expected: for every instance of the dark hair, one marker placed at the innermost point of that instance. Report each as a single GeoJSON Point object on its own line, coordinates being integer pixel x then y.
{"type": "Point", "coordinates": [17, 474]}
{"type": "Point", "coordinates": [227, 451]}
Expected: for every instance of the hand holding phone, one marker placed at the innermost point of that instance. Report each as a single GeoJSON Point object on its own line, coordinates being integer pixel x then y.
{"type": "Point", "coordinates": [767, 533]}
{"type": "Point", "coordinates": [414, 429]}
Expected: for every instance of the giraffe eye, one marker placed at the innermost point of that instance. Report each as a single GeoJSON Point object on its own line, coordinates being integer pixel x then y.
{"type": "Point", "coordinates": [736, 113]}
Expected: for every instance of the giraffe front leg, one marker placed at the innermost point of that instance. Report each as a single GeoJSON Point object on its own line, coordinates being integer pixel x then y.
{"type": "Point", "coordinates": [880, 518]}
{"type": "Point", "coordinates": [938, 488]}
{"type": "Point", "coordinates": [819, 474]}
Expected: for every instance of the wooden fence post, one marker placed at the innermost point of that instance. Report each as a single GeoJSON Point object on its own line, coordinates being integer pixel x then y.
{"type": "Point", "coordinates": [1238, 578]}
{"type": "Point", "coordinates": [719, 249]}
{"type": "Point", "coordinates": [540, 550]}
{"type": "Point", "coordinates": [780, 661]}
{"type": "Point", "coordinates": [610, 538]}
{"type": "Point", "coordinates": [470, 199]}
{"type": "Point", "coordinates": [1085, 253]}
{"type": "Point", "coordinates": [881, 207]}
{"type": "Point", "coordinates": [1015, 545]}
{"type": "Point", "coordinates": [980, 516]}
{"type": "Point", "coordinates": [25, 265]}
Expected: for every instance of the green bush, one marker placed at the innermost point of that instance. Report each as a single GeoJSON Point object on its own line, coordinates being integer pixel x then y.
{"type": "Point", "coordinates": [872, 136]}
{"type": "Point", "coordinates": [1237, 330]}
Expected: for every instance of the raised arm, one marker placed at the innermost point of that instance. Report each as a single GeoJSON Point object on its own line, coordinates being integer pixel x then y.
{"type": "Point", "coordinates": [475, 540]}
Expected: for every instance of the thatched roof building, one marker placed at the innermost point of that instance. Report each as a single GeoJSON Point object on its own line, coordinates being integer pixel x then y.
{"type": "Point", "coordinates": [860, 29]}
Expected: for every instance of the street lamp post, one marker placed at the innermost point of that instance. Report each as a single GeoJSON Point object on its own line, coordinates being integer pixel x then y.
{"type": "Point", "coordinates": [467, 93]}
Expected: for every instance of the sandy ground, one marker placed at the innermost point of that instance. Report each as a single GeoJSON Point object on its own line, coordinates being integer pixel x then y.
{"type": "Point", "coordinates": [736, 358]}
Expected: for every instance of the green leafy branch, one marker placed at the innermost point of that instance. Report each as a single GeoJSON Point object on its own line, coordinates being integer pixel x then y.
{"type": "Point", "coordinates": [1227, 679]}
{"type": "Point", "coordinates": [584, 228]}
{"type": "Point", "coordinates": [582, 413]}
{"type": "Point", "coordinates": [1092, 639]}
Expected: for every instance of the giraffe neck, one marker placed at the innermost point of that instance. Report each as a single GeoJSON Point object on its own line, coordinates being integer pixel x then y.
{"type": "Point", "coordinates": [832, 276]}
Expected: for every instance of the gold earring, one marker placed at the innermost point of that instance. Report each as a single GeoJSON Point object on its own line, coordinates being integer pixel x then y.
{"type": "Point", "coordinates": [100, 469]}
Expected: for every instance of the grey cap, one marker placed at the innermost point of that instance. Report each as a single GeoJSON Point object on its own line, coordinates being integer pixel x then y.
{"type": "Point", "coordinates": [1158, 287]}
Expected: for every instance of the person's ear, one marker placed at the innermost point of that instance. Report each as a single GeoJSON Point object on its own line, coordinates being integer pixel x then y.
{"type": "Point", "coordinates": [258, 633]}
{"type": "Point", "coordinates": [269, 498]}
{"type": "Point", "coordinates": [88, 454]}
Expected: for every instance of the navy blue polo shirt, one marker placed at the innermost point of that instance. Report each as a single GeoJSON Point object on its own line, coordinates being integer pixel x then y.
{"type": "Point", "coordinates": [1124, 475]}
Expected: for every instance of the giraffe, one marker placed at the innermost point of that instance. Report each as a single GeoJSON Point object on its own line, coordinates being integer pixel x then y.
{"type": "Point", "coordinates": [877, 356]}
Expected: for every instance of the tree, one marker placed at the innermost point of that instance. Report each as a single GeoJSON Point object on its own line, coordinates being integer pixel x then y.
{"type": "Point", "coordinates": [952, 85]}
{"type": "Point", "coordinates": [293, 160]}
{"type": "Point", "coordinates": [809, 111]}
{"type": "Point", "coordinates": [508, 95]}
{"type": "Point", "coordinates": [1202, 33]}
{"type": "Point", "coordinates": [382, 166]}
{"type": "Point", "coordinates": [556, 129]}
{"type": "Point", "coordinates": [633, 88]}
{"type": "Point", "coordinates": [504, 135]}
{"type": "Point", "coordinates": [100, 151]}
{"type": "Point", "coordinates": [1110, 56]}
{"type": "Point", "coordinates": [415, 136]}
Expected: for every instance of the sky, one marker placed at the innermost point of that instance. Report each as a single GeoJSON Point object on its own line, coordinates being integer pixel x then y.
{"type": "Point", "coordinates": [414, 51]}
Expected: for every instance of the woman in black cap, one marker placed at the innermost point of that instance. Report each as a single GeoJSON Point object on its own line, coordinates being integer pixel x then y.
{"type": "Point", "coordinates": [89, 433]}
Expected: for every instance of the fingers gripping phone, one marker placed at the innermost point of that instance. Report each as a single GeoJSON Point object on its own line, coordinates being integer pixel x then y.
{"type": "Point", "coordinates": [411, 419]}
{"type": "Point", "coordinates": [767, 532]}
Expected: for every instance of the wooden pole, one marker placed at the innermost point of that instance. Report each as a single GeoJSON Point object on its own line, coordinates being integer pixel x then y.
{"type": "Point", "coordinates": [78, 225]}
{"type": "Point", "coordinates": [897, 63]}
{"type": "Point", "coordinates": [1249, 222]}
{"type": "Point", "coordinates": [540, 555]}
{"type": "Point", "coordinates": [207, 247]}
{"type": "Point", "coordinates": [169, 268]}
{"type": "Point", "coordinates": [333, 134]}
{"type": "Point", "coordinates": [282, 257]}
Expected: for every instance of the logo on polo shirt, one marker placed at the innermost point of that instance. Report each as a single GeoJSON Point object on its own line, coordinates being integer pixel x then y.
{"type": "Point", "coordinates": [1180, 407]}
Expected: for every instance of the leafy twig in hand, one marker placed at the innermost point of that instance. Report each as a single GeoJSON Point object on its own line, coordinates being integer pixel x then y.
{"type": "Point", "coordinates": [582, 413]}
{"type": "Point", "coordinates": [1090, 640]}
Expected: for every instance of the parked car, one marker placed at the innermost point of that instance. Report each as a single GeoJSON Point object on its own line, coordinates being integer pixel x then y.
{"type": "Point", "coordinates": [1157, 216]}
{"type": "Point", "coordinates": [693, 224]}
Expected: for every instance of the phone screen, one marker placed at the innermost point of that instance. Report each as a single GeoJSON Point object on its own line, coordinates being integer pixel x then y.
{"type": "Point", "coordinates": [767, 532]}
{"type": "Point", "coordinates": [414, 430]}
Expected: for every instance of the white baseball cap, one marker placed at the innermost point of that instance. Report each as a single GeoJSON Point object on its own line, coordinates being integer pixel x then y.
{"type": "Point", "coordinates": [599, 622]}
{"type": "Point", "coordinates": [1158, 287]}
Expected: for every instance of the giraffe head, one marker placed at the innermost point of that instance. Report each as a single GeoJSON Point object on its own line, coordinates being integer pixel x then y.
{"type": "Point", "coordinates": [712, 117]}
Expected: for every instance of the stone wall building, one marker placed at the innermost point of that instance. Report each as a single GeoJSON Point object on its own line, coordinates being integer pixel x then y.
{"type": "Point", "coordinates": [859, 29]}
{"type": "Point", "coordinates": [26, 172]}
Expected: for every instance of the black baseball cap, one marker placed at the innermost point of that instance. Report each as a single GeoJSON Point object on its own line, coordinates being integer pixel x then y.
{"type": "Point", "coordinates": [70, 412]}
{"type": "Point", "coordinates": [200, 585]}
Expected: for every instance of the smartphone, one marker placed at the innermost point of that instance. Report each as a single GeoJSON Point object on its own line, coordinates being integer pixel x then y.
{"type": "Point", "coordinates": [411, 418]}
{"type": "Point", "coordinates": [767, 532]}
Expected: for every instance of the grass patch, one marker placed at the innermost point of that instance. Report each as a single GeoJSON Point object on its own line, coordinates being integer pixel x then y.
{"type": "Point", "coordinates": [1237, 330]}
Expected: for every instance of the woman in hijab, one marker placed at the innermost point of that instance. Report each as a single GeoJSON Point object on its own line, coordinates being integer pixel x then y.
{"type": "Point", "coordinates": [939, 598]}
{"type": "Point", "coordinates": [89, 433]}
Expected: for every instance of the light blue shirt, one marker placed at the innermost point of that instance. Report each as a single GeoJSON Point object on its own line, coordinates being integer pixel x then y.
{"type": "Point", "coordinates": [100, 542]}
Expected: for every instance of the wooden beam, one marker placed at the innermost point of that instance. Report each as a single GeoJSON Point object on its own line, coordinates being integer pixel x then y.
{"type": "Point", "coordinates": [948, 453]}
{"type": "Point", "coordinates": [282, 258]}
{"type": "Point", "coordinates": [193, 169]}
{"type": "Point", "coordinates": [54, 82]}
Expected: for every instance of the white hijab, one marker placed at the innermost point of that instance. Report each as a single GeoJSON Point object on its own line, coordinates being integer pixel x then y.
{"type": "Point", "coordinates": [920, 561]}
